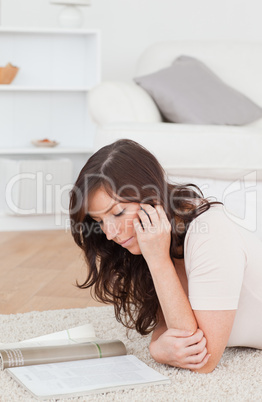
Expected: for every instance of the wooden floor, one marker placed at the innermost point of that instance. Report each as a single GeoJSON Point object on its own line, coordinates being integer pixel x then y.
{"type": "Point", "coordinates": [38, 271]}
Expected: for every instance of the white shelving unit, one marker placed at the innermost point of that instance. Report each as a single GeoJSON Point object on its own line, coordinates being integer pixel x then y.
{"type": "Point", "coordinates": [48, 97]}
{"type": "Point", "coordinates": [45, 151]}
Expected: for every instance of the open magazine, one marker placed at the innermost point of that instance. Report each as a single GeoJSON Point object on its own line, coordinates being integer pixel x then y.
{"type": "Point", "coordinates": [74, 362]}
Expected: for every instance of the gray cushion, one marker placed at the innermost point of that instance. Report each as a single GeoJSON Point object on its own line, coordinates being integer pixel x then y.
{"type": "Point", "coordinates": [189, 92]}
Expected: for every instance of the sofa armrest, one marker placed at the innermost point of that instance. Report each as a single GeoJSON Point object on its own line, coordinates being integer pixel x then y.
{"type": "Point", "coordinates": [111, 102]}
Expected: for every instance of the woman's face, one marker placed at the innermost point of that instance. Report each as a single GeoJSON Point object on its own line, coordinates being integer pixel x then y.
{"type": "Point", "coordinates": [116, 219]}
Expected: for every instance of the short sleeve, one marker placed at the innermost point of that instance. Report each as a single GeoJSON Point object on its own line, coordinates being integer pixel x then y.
{"type": "Point", "coordinates": [215, 262]}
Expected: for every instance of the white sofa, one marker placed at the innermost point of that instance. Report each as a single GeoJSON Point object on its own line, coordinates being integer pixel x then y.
{"type": "Point", "coordinates": [222, 160]}
{"type": "Point", "coordinates": [125, 110]}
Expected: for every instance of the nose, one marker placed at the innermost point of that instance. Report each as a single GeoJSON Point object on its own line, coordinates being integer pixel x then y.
{"type": "Point", "coordinates": [110, 230]}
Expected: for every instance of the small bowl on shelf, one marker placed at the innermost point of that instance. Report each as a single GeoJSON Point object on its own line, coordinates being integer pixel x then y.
{"type": "Point", "coordinates": [44, 143]}
{"type": "Point", "coordinates": [7, 74]}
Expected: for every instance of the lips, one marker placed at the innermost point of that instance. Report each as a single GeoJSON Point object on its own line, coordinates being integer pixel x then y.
{"type": "Point", "coordinates": [126, 242]}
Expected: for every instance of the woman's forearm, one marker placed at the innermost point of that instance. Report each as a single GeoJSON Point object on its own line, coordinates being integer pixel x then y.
{"type": "Point", "coordinates": [154, 237]}
{"type": "Point", "coordinates": [174, 303]}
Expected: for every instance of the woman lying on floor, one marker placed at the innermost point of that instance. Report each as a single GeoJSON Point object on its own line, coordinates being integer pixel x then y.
{"type": "Point", "coordinates": [169, 260]}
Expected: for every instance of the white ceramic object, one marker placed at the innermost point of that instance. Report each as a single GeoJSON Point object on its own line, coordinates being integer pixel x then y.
{"type": "Point", "coordinates": [70, 17]}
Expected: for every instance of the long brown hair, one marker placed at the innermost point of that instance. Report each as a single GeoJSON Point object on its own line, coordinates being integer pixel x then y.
{"type": "Point", "coordinates": [129, 172]}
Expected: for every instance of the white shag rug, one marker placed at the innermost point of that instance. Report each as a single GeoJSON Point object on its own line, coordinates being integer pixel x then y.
{"type": "Point", "coordinates": [237, 378]}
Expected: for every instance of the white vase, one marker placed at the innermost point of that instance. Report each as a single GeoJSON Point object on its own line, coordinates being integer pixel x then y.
{"type": "Point", "coordinates": [70, 17]}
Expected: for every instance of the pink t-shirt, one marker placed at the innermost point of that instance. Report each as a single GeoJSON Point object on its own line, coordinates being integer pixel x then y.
{"type": "Point", "coordinates": [223, 263]}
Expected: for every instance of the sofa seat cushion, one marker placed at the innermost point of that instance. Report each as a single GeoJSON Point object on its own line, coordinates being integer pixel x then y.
{"type": "Point", "coordinates": [224, 152]}
{"type": "Point", "coordinates": [189, 92]}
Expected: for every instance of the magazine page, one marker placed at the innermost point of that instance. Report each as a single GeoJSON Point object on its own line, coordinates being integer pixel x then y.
{"type": "Point", "coordinates": [51, 354]}
{"type": "Point", "coordinates": [72, 335]}
{"type": "Point", "coordinates": [86, 376]}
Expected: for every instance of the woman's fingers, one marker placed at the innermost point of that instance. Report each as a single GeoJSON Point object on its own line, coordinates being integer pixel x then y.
{"type": "Point", "coordinates": [154, 216]}
{"type": "Point", "coordinates": [197, 366]}
{"type": "Point", "coordinates": [164, 223]}
{"type": "Point", "coordinates": [170, 349]}
{"type": "Point", "coordinates": [153, 238]}
{"type": "Point", "coordinates": [197, 348]}
{"type": "Point", "coordinates": [195, 338]}
{"type": "Point", "coordinates": [197, 358]}
{"type": "Point", "coordinates": [148, 214]}
{"type": "Point", "coordinates": [161, 213]}
{"type": "Point", "coordinates": [137, 225]}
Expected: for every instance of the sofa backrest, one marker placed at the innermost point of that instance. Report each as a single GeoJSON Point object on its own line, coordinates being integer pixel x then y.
{"type": "Point", "coordinates": [238, 64]}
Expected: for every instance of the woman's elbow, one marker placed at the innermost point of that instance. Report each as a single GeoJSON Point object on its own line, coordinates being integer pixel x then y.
{"type": "Point", "coordinates": [206, 369]}
{"type": "Point", "coordinates": [203, 370]}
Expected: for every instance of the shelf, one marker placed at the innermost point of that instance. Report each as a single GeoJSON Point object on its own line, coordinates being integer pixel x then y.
{"type": "Point", "coordinates": [12, 88]}
{"type": "Point", "coordinates": [48, 98]}
{"type": "Point", "coordinates": [39, 151]}
{"type": "Point", "coordinates": [58, 31]}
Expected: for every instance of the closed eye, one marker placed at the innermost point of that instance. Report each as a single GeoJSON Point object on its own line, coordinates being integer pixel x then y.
{"type": "Point", "coordinates": [119, 214]}
{"type": "Point", "coordinates": [116, 215]}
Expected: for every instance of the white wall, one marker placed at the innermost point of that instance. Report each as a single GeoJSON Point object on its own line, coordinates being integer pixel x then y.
{"type": "Point", "coordinates": [129, 26]}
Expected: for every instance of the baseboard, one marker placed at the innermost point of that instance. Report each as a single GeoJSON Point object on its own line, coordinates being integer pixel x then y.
{"type": "Point", "coordinates": [35, 222]}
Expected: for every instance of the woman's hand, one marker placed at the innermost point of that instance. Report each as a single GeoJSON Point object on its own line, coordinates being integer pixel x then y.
{"type": "Point", "coordinates": [153, 233]}
{"type": "Point", "coordinates": [176, 348]}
